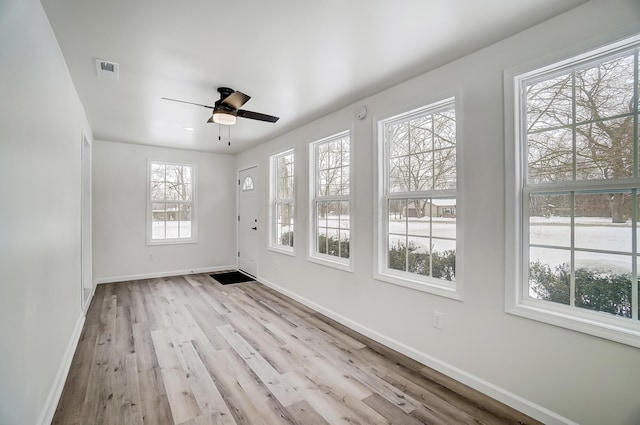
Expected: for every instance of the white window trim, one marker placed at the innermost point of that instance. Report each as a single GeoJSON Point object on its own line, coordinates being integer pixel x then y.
{"type": "Point", "coordinates": [282, 249]}
{"type": "Point", "coordinates": [598, 324]}
{"type": "Point", "coordinates": [453, 290]}
{"type": "Point", "coordinates": [194, 222]}
{"type": "Point", "coordinates": [345, 264]}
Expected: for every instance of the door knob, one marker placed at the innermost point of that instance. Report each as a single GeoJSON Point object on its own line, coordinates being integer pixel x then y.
{"type": "Point", "coordinates": [254, 228]}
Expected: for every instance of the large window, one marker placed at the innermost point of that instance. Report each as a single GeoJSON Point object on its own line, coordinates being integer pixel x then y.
{"type": "Point", "coordinates": [171, 203]}
{"type": "Point", "coordinates": [418, 204]}
{"type": "Point", "coordinates": [577, 130]}
{"type": "Point", "coordinates": [282, 200]}
{"type": "Point", "coordinates": [330, 209]}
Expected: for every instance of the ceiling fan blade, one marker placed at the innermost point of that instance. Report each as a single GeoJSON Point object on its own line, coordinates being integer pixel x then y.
{"type": "Point", "coordinates": [190, 103]}
{"type": "Point", "coordinates": [236, 99]}
{"type": "Point", "coordinates": [257, 116]}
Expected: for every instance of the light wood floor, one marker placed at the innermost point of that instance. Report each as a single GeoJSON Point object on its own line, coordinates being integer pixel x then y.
{"type": "Point", "coordinates": [187, 350]}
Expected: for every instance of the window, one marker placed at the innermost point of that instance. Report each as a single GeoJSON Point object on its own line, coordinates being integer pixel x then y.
{"type": "Point", "coordinates": [330, 209]}
{"type": "Point", "coordinates": [247, 184]}
{"type": "Point", "coordinates": [417, 242]}
{"type": "Point", "coordinates": [577, 133]}
{"type": "Point", "coordinates": [282, 204]}
{"type": "Point", "coordinates": [171, 203]}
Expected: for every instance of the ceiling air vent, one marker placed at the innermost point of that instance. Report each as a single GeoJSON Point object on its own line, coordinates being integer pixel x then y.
{"type": "Point", "coordinates": [107, 70]}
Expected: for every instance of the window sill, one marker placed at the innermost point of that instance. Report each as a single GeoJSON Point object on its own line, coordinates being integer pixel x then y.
{"type": "Point", "coordinates": [171, 242]}
{"type": "Point", "coordinates": [434, 288]}
{"type": "Point", "coordinates": [284, 251]}
{"type": "Point", "coordinates": [601, 325]}
{"type": "Point", "coordinates": [330, 262]}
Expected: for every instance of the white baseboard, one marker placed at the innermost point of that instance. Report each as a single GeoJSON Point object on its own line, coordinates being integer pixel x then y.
{"type": "Point", "coordinates": [510, 399]}
{"type": "Point", "coordinates": [46, 416]}
{"type": "Point", "coordinates": [162, 274]}
{"type": "Point", "coordinates": [87, 303]}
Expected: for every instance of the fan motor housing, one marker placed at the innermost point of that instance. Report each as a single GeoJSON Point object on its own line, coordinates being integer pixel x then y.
{"type": "Point", "coordinates": [225, 92]}
{"type": "Point", "coordinates": [224, 107]}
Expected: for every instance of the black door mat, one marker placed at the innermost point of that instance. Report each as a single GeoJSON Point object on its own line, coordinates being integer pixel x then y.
{"type": "Point", "coordinates": [231, 277]}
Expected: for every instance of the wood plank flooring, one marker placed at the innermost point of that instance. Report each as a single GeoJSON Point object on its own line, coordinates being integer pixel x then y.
{"type": "Point", "coordinates": [188, 351]}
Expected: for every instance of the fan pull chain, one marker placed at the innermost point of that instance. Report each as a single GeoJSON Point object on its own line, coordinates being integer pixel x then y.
{"type": "Point", "coordinates": [219, 138]}
{"type": "Point", "coordinates": [229, 136]}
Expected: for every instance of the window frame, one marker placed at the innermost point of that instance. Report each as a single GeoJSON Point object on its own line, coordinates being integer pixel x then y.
{"type": "Point", "coordinates": [517, 301]}
{"type": "Point", "coordinates": [192, 203]}
{"type": "Point", "coordinates": [274, 245]}
{"type": "Point", "coordinates": [341, 263]}
{"type": "Point", "coordinates": [454, 290]}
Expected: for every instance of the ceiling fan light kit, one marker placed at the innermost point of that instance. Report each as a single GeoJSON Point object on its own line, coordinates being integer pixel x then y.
{"type": "Point", "coordinates": [223, 118]}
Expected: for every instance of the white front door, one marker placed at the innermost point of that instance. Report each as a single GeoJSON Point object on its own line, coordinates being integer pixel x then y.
{"type": "Point", "coordinates": [247, 222]}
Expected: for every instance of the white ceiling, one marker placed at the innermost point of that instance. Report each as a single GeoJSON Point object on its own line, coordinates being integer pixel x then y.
{"type": "Point", "coordinates": [297, 59]}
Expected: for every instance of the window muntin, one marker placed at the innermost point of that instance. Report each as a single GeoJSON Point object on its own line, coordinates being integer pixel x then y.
{"type": "Point", "coordinates": [419, 199]}
{"type": "Point", "coordinates": [282, 213]}
{"type": "Point", "coordinates": [171, 202]}
{"type": "Point", "coordinates": [579, 138]}
{"type": "Point", "coordinates": [331, 205]}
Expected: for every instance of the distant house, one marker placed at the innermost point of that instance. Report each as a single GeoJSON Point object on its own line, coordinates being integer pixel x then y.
{"type": "Point", "coordinates": [444, 207]}
{"type": "Point", "coordinates": [437, 207]}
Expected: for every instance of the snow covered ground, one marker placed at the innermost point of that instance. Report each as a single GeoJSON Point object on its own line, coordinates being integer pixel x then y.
{"type": "Point", "coordinates": [443, 231]}
{"type": "Point", "coordinates": [419, 229]}
{"type": "Point", "coordinates": [596, 233]}
{"type": "Point", "coordinates": [158, 229]}
{"type": "Point", "coordinates": [591, 233]}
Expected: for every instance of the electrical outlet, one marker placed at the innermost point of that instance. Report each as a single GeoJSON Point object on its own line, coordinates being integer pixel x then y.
{"type": "Point", "coordinates": [438, 320]}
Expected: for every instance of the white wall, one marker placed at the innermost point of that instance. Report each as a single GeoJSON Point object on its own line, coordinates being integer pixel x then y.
{"type": "Point", "coordinates": [120, 250]}
{"type": "Point", "coordinates": [552, 373]}
{"type": "Point", "coordinates": [41, 123]}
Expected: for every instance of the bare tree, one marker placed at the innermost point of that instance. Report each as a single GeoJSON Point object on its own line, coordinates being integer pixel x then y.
{"type": "Point", "coordinates": [422, 155]}
{"type": "Point", "coordinates": [284, 175]}
{"type": "Point", "coordinates": [583, 122]}
{"type": "Point", "coordinates": [332, 159]}
{"type": "Point", "coordinates": [171, 185]}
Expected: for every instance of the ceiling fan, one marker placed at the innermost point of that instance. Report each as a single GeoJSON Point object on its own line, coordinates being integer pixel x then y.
{"type": "Point", "coordinates": [227, 109]}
